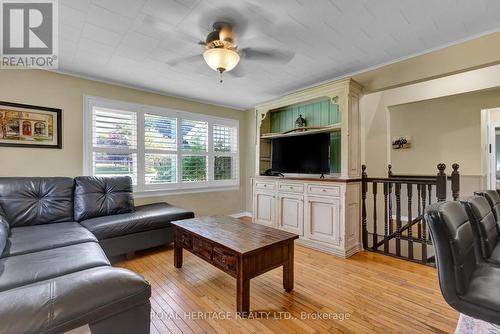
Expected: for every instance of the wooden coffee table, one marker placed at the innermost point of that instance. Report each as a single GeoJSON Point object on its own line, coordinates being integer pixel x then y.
{"type": "Point", "coordinates": [243, 250]}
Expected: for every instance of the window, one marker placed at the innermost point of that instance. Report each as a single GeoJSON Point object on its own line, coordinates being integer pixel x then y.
{"type": "Point", "coordinates": [162, 150]}
{"type": "Point", "coordinates": [225, 141]}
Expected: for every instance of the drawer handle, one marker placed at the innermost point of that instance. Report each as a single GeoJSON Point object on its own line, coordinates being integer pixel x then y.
{"type": "Point", "coordinates": [324, 190]}
{"type": "Point", "coordinates": [290, 187]}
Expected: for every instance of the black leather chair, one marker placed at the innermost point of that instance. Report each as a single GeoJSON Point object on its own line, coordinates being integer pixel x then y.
{"type": "Point", "coordinates": [468, 284]}
{"type": "Point", "coordinates": [485, 225]}
{"type": "Point", "coordinates": [493, 199]}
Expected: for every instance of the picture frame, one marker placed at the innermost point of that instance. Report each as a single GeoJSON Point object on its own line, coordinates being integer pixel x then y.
{"type": "Point", "coordinates": [401, 143]}
{"type": "Point", "coordinates": [24, 125]}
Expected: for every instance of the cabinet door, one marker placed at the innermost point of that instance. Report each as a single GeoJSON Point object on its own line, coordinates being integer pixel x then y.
{"type": "Point", "coordinates": [265, 208]}
{"type": "Point", "coordinates": [291, 213]}
{"type": "Point", "coordinates": [323, 220]}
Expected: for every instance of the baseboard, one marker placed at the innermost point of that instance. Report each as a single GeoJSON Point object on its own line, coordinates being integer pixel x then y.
{"type": "Point", "coordinates": [241, 214]}
{"type": "Point", "coordinates": [329, 249]}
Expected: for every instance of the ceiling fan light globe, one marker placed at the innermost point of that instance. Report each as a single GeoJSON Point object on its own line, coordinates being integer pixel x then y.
{"type": "Point", "coordinates": [220, 58]}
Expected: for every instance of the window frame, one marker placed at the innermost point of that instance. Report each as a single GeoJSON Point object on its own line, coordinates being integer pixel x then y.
{"type": "Point", "coordinates": [141, 189]}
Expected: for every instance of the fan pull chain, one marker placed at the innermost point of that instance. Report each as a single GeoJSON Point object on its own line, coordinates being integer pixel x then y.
{"type": "Point", "coordinates": [221, 77]}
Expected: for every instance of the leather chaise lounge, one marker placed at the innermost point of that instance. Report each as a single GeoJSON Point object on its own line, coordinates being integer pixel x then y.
{"type": "Point", "coordinates": [56, 235]}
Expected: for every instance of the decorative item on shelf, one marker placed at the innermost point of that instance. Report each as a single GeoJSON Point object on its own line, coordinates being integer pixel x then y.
{"type": "Point", "coordinates": [300, 122]}
{"type": "Point", "coordinates": [23, 125]}
{"type": "Point", "coordinates": [403, 142]}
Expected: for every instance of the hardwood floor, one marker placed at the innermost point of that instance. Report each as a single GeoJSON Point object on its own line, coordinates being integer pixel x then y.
{"type": "Point", "coordinates": [374, 294]}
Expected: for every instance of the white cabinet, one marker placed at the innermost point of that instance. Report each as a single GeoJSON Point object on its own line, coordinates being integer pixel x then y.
{"type": "Point", "coordinates": [324, 214]}
{"type": "Point", "coordinates": [291, 213]}
{"type": "Point", "coordinates": [264, 208]}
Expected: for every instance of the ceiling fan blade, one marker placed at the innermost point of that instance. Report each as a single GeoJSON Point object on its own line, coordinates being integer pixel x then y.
{"type": "Point", "coordinates": [269, 55]}
{"type": "Point", "coordinates": [168, 29]}
{"type": "Point", "coordinates": [236, 72]}
{"type": "Point", "coordinates": [188, 59]}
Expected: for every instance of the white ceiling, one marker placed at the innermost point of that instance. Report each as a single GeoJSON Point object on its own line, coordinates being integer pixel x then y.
{"type": "Point", "coordinates": [129, 41]}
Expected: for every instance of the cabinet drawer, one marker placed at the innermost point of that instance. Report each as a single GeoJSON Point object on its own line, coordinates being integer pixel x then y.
{"type": "Point", "coordinates": [185, 240]}
{"type": "Point", "coordinates": [225, 259]}
{"type": "Point", "coordinates": [323, 190]}
{"type": "Point", "coordinates": [264, 185]}
{"type": "Point", "coordinates": [203, 248]}
{"type": "Point", "coordinates": [291, 187]}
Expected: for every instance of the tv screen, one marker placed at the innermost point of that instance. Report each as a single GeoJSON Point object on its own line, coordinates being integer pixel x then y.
{"type": "Point", "coordinates": [305, 154]}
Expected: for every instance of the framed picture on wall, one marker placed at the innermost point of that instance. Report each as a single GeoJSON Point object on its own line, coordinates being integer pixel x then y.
{"type": "Point", "coordinates": [23, 125]}
{"type": "Point", "coordinates": [403, 142]}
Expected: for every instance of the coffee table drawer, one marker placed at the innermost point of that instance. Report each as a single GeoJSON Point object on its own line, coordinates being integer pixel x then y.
{"type": "Point", "coordinates": [185, 240]}
{"type": "Point", "coordinates": [225, 259]}
{"type": "Point", "coordinates": [203, 248]}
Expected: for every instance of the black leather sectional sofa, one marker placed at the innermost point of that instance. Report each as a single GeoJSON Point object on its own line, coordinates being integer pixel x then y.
{"type": "Point", "coordinates": [56, 235]}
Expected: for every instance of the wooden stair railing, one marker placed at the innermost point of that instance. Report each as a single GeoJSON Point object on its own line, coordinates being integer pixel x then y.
{"type": "Point", "coordinates": [404, 238]}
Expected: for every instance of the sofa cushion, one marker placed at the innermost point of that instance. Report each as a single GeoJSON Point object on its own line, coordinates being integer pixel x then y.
{"type": "Point", "coordinates": [36, 200]}
{"type": "Point", "coordinates": [65, 302]}
{"type": "Point", "coordinates": [4, 230]}
{"type": "Point", "coordinates": [29, 239]}
{"type": "Point", "coordinates": [19, 270]}
{"type": "Point", "coordinates": [102, 196]}
{"type": "Point", "coordinates": [4, 234]}
{"type": "Point", "coordinates": [144, 218]}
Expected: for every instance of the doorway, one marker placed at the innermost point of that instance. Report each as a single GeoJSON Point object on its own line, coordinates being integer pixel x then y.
{"type": "Point", "coordinates": [491, 138]}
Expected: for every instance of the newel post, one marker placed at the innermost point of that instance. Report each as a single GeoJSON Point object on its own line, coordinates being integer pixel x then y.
{"type": "Point", "coordinates": [364, 188]}
{"type": "Point", "coordinates": [455, 182]}
{"type": "Point", "coordinates": [441, 183]}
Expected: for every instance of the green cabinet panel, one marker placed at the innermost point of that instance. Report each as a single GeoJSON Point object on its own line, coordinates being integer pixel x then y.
{"type": "Point", "coordinates": [320, 113]}
{"type": "Point", "coordinates": [335, 152]}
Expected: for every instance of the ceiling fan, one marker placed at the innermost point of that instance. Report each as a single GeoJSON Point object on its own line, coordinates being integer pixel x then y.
{"type": "Point", "coordinates": [221, 52]}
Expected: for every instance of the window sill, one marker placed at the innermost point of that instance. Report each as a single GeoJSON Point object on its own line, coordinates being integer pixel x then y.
{"type": "Point", "coordinates": [182, 191]}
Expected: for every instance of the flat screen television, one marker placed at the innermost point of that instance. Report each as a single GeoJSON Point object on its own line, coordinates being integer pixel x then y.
{"type": "Point", "coordinates": [304, 154]}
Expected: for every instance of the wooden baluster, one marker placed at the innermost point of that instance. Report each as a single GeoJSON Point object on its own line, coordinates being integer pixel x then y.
{"type": "Point", "coordinates": [364, 186]}
{"type": "Point", "coordinates": [424, 198]}
{"type": "Point", "coordinates": [419, 211]}
{"type": "Point", "coordinates": [455, 182]}
{"type": "Point", "coordinates": [397, 188]}
{"type": "Point", "coordinates": [429, 192]}
{"type": "Point", "coordinates": [375, 234]}
{"type": "Point", "coordinates": [409, 192]}
{"type": "Point", "coordinates": [391, 227]}
{"type": "Point", "coordinates": [440, 184]}
{"type": "Point", "coordinates": [386, 215]}
{"type": "Point", "coordinates": [424, 229]}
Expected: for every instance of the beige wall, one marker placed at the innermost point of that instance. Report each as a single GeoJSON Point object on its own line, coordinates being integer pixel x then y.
{"type": "Point", "coordinates": [476, 53]}
{"type": "Point", "coordinates": [446, 129]}
{"type": "Point", "coordinates": [375, 112]}
{"type": "Point", "coordinates": [66, 92]}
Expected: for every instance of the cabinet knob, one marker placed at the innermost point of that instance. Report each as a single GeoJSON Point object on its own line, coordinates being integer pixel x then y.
{"type": "Point", "coordinates": [324, 190]}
